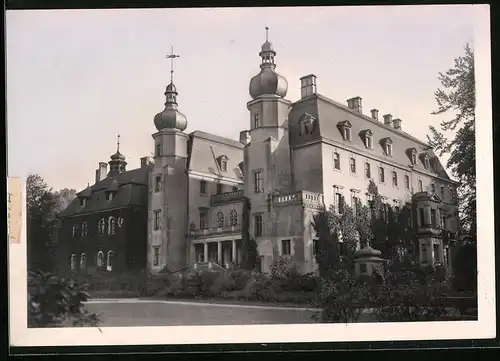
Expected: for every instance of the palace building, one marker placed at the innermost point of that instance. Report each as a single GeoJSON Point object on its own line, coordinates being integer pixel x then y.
{"type": "Point", "coordinates": [183, 208]}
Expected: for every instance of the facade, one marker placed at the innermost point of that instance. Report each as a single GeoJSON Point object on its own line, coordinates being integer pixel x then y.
{"type": "Point", "coordinates": [292, 161]}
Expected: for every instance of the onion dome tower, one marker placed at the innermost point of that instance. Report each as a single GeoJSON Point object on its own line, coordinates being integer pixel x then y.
{"type": "Point", "coordinates": [117, 163]}
{"type": "Point", "coordinates": [268, 82]}
{"type": "Point", "coordinates": [170, 117]}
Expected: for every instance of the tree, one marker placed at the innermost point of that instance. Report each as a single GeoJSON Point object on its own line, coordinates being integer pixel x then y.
{"type": "Point", "coordinates": [327, 246]}
{"type": "Point", "coordinates": [65, 196]}
{"type": "Point", "coordinates": [458, 96]}
{"type": "Point", "coordinates": [41, 206]}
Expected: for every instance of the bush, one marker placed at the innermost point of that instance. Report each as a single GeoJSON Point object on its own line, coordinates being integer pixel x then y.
{"type": "Point", "coordinates": [53, 300]}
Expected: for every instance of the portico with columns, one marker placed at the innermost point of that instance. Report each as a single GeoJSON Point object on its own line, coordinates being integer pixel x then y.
{"type": "Point", "coordinates": [224, 252]}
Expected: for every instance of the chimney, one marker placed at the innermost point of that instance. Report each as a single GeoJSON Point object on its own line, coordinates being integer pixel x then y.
{"type": "Point", "coordinates": [388, 119]}
{"type": "Point", "coordinates": [355, 104]}
{"type": "Point", "coordinates": [244, 137]}
{"type": "Point", "coordinates": [101, 172]}
{"type": "Point", "coordinates": [374, 114]}
{"type": "Point", "coordinates": [146, 162]}
{"type": "Point", "coordinates": [397, 124]}
{"type": "Point", "coordinates": [307, 85]}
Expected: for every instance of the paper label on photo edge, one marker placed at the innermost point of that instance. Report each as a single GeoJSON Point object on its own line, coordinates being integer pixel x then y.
{"type": "Point", "coordinates": [14, 210]}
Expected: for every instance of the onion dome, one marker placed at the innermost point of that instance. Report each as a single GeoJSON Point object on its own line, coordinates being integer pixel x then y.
{"type": "Point", "coordinates": [268, 82]}
{"type": "Point", "coordinates": [117, 156]}
{"type": "Point", "coordinates": [170, 117]}
{"type": "Point", "coordinates": [117, 163]}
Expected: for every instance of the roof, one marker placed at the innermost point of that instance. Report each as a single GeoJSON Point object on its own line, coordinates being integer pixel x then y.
{"type": "Point", "coordinates": [329, 114]}
{"type": "Point", "coordinates": [132, 191]}
{"type": "Point", "coordinates": [367, 252]}
{"type": "Point", "coordinates": [205, 153]}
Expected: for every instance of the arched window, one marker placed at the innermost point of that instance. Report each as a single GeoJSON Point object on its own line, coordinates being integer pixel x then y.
{"type": "Point", "coordinates": [233, 217]}
{"type": "Point", "coordinates": [220, 219]}
{"type": "Point", "coordinates": [101, 226]}
{"type": "Point", "coordinates": [72, 262]}
{"type": "Point", "coordinates": [394, 179]}
{"type": "Point", "coordinates": [109, 263]}
{"type": "Point", "coordinates": [111, 225]}
{"type": "Point", "coordinates": [82, 261]}
{"type": "Point", "coordinates": [100, 259]}
{"type": "Point", "coordinates": [84, 229]}
{"type": "Point", "coordinates": [74, 230]}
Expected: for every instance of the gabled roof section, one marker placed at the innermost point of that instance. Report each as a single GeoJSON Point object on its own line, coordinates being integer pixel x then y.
{"type": "Point", "coordinates": [366, 132]}
{"type": "Point", "coordinates": [113, 187]}
{"type": "Point", "coordinates": [132, 192]}
{"type": "Point", "coordinates": [86, 193]}
{"type": "Point", "coordinates": [386, 140]}
{"type": "Point", "coordinates": [344, 124]}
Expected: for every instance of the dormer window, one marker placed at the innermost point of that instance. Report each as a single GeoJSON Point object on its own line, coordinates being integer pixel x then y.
{"type": "Point", "coordinates": [256, 120]}
{"type": "Point", "coordinates": [83, 202]}
{"type": "Point", "coordinates": [345, 129]}
{"type": "Point", "coordinates": [110, 196]}
{"type": "Point", "coordinates": [412, 153]}
{"type": "Point", "coordinates": [222, 160]}
{"type": "Point", "coordinates": [387, 144]}
{"type": "Point", "coordinates": [368, 139]}
{"type": "Point", "coordinates": [307, 124]}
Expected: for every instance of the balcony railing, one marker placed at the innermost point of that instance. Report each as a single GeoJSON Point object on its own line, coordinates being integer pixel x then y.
{"type": "Point", "coordinates": [227, 197]}
{"type": "Point", "coordinates": [301, 197]}
{"type": "Point", "coordinates": [198, 233]}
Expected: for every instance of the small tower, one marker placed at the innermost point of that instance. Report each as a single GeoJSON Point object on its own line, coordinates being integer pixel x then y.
{"type": "Point", "coordinates": [117, 164]}
{"type": "Point", "coordinates": [167, 208]}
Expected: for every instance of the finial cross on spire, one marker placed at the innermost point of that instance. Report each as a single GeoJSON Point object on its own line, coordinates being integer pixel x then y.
{"type": "Point", "coordinates": [172, 56]}
{"type": "Point", "coordinates": [267, 33]}
{"type": "Point", "coordinates": [118, 143]}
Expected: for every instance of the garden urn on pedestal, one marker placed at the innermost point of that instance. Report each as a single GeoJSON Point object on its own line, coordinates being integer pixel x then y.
{"type": "Point", "coordinates": [367, 261]}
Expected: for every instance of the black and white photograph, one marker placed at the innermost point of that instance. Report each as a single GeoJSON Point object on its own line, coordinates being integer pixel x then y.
{"type": "Point", "coordinates": [250, 175]}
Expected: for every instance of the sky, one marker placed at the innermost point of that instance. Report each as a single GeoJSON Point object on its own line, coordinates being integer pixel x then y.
{"type": "Point", "coordinates": [77, 78]}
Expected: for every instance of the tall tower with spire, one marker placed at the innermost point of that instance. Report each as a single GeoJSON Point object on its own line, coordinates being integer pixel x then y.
{"type": "Point", "coordinates": [267, 156]}
{"type": "Point", "coordinates": [167, 206]}
{"type": "Point", "coordinates": [117, 163]}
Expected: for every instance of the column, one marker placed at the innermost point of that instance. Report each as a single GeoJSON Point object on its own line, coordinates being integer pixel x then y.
{"type": "Point", "coordinates": [233, 255]}
{"type": "Point", "coordinates": [205, 252]}
{"type": "Point", "coordinates": [427, 214]}
{"type": "Point", "coordinates": [219, 252]}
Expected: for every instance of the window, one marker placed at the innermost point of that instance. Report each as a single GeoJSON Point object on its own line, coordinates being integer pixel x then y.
{"type": "Point", "coordinates": [355, 208]}
{"type": "Point", "coordinates": [156, 256]}
{"type": "Point", "coordinates": [258, 225]}
{"type": "Point", "coordinates": [219, 188]}
{"type": "Point", "coordinates": [82, 261]}
{"type": "Point", "coordinates": [409, 212]}
{"type": "Point", "coordinates": [100, 259]}
{"type": "Point", "coordinates": [362, 268]}
{"type": "Point", "coordinates": [233, 217]}
{"type": "Point", "coordinates": [203, 219]}
{"type": "Point", "coordinates": [192, 227]}
{"type": "Point", "coordinates": [368, 139]}
{"type": "Point", "coordinates": [83, 202]}
{"type": "Point", "coordinates": [286, 248]}
{"type": "Point", "coordinates": [407, 182]}
{"type": "Point", "coordinates": [235, 189]}
{"type": "Point", "coordinates": [111, 225]}
{"type": "Point", "coordinates": [433, 218]}
{"type": "Point", "coordinates": [388, 149]}
{"type": "Point", "coordinates": [315, 246]}
{"type": "Point", "coordinates": [84, 229]}
{"type": "Point", "coordinates": [426, 162]}
{"type": "Point", "coordinates": [110, 196]}
{"type": "Point", "coordinates": [74, 230]}
{"type": "Point", "coordinates": [101, 226]}
{"type": "Point", "coordinates": [347, 134]}
{"type": "Point", "coordinates": [109, 263]}
{"type": "Point", "coordinates": [220, 219]}
{"type": "Point", "coordinates": [336, 161]}
{"type": "Point", "coordinates": [424, 253]}
{"type": "Point", "coordinates": [339, 203]}
{"type": "Point", "coordinates": [394, 179]}
{"type": "Point", "coordinates": [368, 171]}
{"type": "Point", "coordinates": [72, 262]}
{"type": "Point", "coordinates": [443, 222]}
{"type": "Point", "coordinates": [353, 165]}
{"type": "Point", "coordinates": [157, 219]}
{"type": "Point", "coordinates": [258, 182]}
{"type": "Point", "coordinates": [442, 192]}
{"type": "Point", "coordinates": [223, 164]}
{"type": "Point", "coordinates": [203, 187]}
{"type": "Point", "coordinates": [158, 149]}
{"type": "Point", "coordinates": [256, 120]}
{"type": "Point", "coordinates": [158, 183]}
{"type": "Point", "coordinates": [381, 175]}
{"type": "Point", "coordinates": [420, 186]}
{"type": "Point", "coordinates": [433, 188]}
{"type": "Point", "coordinates": [413, 157]}
{"type": "Point", "coordinates": [306, 124]}
{"type": "Point", "coordinates": [422, 217]}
